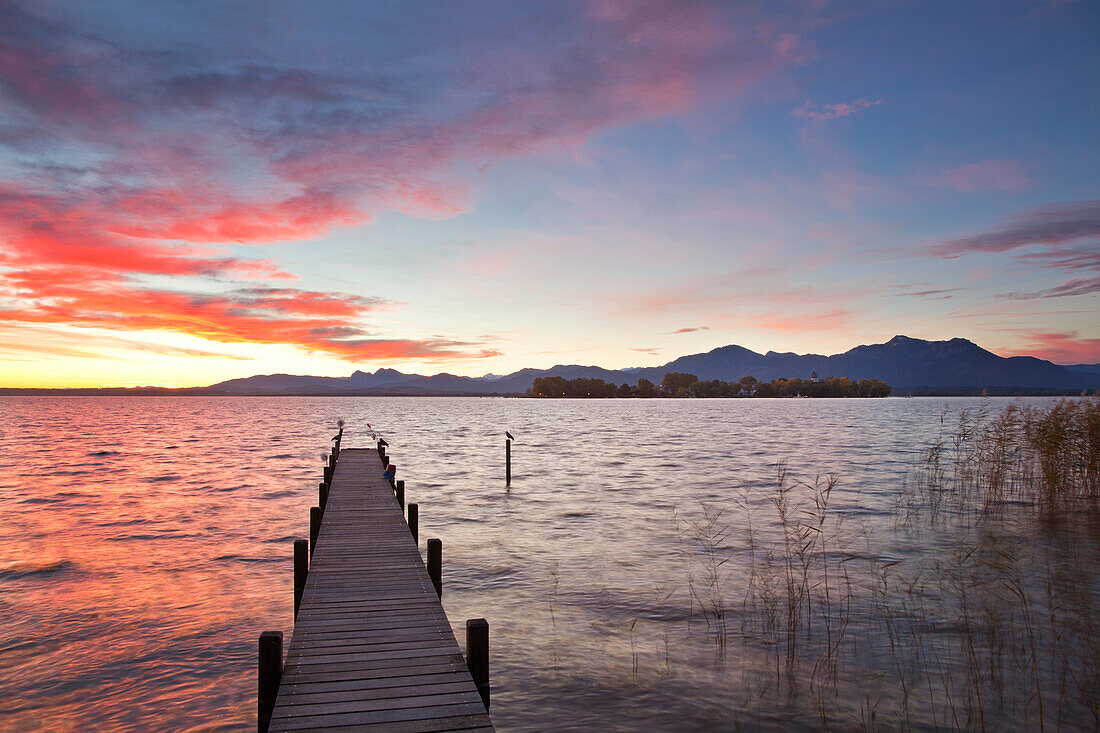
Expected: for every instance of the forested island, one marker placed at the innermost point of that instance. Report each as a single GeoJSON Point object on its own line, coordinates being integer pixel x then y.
{"type": "Point", "coordinates": [682, 384]}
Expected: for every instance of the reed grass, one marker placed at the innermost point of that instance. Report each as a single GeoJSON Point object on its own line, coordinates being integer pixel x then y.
{"type": "Point", "coordinates": [980, 612]}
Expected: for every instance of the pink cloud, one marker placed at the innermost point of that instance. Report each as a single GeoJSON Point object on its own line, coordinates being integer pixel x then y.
{"type": "Point", "coordinates": [182, 156]}
{"type": "Point", "coordinates": [1054, 224]}
{"type": "Point", "coordinates": [335, 150]}
{"type": "Point", "coordinates": [759, 299]}
{"type": "Point", "coordinates": [842, 190]}
{"type": "Point", "coordinates": [42, 229]}
{"type": "Point", "coordinates": [812, 111]}
{"type": "Point", "coordinates": [1074, 286]}
{"type": "Point", "coordinates": [809, 322]}
{"type": "Point", "coordinates": [988, 175]}
{"type": "Point", "coordinates": [1061, 347]}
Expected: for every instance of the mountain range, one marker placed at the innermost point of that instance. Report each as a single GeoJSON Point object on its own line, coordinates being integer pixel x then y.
{"type": "Point", "coordinates": [911, 366]}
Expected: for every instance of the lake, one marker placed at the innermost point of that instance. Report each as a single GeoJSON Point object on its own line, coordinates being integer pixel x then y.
{"type": "Point", "coordinates": [630, 574]}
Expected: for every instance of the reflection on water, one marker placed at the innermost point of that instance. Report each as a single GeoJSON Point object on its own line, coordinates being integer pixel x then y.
{"type": "Point", "coordinates": [147, 542]}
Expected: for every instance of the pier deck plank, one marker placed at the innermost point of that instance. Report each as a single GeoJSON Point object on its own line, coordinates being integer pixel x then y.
{"type": "Point", "coordinates": [372, 648]}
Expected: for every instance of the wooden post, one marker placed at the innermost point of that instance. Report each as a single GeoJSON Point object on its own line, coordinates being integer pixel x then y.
{"type": "Point", "coordinates": [385, 461]}
{"type": "Point", "coordinates": [322, 496]}
{"type": "Point", "coordinates": [477, 655]}
{"type": "Point", "coordinates": [435, 564]}
{"type": "Point", "coordinates": [270, 674]}
{"type": "Point", "coordinates": [508, 461]}
{"type": "Point", "coordinates": [401, 494]}
{"type": "Point", "coordinates": [328, 474]}
{"type": "Point", "coordinates": [414, 520]}
{"type": "Point", "coordinates": [314, 528]}
{"type": "Point", "coordinates": [301, 569]}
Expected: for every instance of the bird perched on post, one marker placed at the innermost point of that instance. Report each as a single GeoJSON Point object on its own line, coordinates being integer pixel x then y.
{"type": "Point", "coordinates": [509, 435]}
{"type": "Point", "coordinates": [382, 442]}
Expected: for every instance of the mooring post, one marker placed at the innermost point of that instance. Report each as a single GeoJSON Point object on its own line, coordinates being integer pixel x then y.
{"type": "Point", "coordinates": [401, 493]}
{"type": "Point", "coordinates": [477, 655]}
{"type": "Point", "coordinates": [301, 570]}
{"type": "Point", "coordinates": [322, 496]}
{"type": "Point", "coordinates": [508, 461]}
{"type": "Point", "coordinates": [385, 461]}
{"type": "Point", "coordinates": [435, 564]}
{"type": "Point", "coordinates": [270, 674]}
{"type": "Point", "coordinates": [414, 520]}
{"type": "Point", "coordinates": [314, 528]}
{"type": "Point", "coordinates": [328, 473]}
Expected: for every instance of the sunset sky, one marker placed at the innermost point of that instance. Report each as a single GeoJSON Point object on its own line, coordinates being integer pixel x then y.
{"type": "Point", "coordinates": [191, 191]}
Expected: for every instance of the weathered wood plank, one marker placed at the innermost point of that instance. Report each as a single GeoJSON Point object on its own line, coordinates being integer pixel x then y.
{"type": "Point", "coordinates": [462, 723]}
{"type": "Point", "coordinates": [281, 722]}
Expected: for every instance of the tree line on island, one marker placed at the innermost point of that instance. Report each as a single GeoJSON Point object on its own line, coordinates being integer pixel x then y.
{"type": "Point", "coordinates": [682, 384]}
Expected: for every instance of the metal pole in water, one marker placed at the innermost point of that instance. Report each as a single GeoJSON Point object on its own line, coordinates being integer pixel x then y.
{"type": "Point", "coordinates": [508, 457]}
{"type": "Point", "coordinates": [477, 655]}
{"type": "Point", "coordinates": [270, 674]}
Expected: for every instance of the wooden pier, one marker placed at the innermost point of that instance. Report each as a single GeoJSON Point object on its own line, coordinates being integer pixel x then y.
{"type": "Point", "coordinates": [372, 648]}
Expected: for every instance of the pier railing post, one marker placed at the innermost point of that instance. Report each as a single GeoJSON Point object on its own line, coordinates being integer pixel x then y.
{"type": "Point", "coordinates": [435, 564]}
{"type": "Point", "coordinates": [414, 520]}
{"type": "Point", "coordinates": [322, 495]}
{"type": "Point", "coordinates": [301, 570]}
{"type": "Point", "coordinates": [314, 528]}
{"type": "Point", "coordinates": [401, 493]}
{"type": "Point", "coordinates": [508, 461]}
{"type": "Point", "coordinates": [270, 674]}
{"type": "Point", "coordinates": [328, 473]}
{"type": "Point", "coordinates": [477, 655]}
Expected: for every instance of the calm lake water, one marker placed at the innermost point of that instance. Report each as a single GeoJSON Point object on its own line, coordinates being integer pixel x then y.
{"type": "Point", "coordinates": [146, 542]}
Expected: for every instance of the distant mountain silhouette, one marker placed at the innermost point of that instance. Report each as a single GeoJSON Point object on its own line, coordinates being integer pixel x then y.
{"type": "Point", "coordinates": [908, 364]}
{"type": "Point", "coordinates": [1086, 368]}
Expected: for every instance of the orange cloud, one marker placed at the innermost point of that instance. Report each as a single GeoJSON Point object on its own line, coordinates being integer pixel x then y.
{"type": "Point", "coordinates": [318, 322]}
